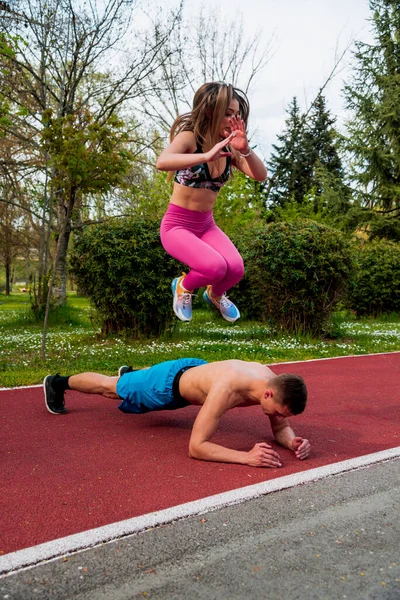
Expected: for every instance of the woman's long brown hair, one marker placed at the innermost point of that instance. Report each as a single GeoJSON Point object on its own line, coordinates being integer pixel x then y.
{"type": "Point", "coordinates": [210, 103]}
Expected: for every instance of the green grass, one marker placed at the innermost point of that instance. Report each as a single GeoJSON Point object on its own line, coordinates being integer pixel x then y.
{"type": "Point", "coordinates": [74, 346]}
{"type": "Point", "coordinates": [16, 301]}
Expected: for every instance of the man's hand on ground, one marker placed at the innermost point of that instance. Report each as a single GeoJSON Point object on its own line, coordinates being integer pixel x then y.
{"type": "Point", "coordinates": [301, 447]}
{"type": "Point", "coordinates": [262, 455]}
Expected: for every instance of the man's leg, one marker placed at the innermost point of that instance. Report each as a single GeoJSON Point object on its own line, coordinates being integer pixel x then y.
{"type": "Point", "coordinates": [94, 383]}
{"type": "Point", "coordinates": [89, 383]}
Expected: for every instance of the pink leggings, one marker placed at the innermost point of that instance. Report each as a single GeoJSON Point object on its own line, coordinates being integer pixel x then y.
{"type": "Point", "coordinates": [193, 238]}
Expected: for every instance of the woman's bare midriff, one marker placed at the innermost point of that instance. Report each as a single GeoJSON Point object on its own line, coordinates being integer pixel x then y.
{"type": "Point", "coordinates": [200, 200]}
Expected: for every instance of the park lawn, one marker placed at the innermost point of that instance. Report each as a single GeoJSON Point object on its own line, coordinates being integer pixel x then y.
{"type": "Point", "coordinates": [16, 301]}
{"type": "Point", "coordinates": [75, 345]}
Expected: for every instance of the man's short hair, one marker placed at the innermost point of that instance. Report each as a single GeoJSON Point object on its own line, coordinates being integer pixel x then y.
{"type": "Point", "coordinates": [292, 391]}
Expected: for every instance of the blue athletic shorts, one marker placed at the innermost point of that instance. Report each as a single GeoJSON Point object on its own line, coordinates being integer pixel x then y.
{"type": "Point", "coordinates": [153, 389]}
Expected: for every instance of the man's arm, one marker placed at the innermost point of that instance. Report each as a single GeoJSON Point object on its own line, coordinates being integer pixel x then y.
{"type": "Point", "coordinates": [285, 436]}
{"type": "Point", "coordinates": [205, 425]}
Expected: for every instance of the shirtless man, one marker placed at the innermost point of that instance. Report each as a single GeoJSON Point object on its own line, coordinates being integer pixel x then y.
{"type": "Point", "coordinates": [216, 387]}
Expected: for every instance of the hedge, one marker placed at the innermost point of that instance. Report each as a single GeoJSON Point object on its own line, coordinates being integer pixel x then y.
{"type": "Point", "coordinates": [123, 269]}
{"type": "Point", "coordinates": [375, 284]}
{"type": "Point", "coordinates": [295, 274]}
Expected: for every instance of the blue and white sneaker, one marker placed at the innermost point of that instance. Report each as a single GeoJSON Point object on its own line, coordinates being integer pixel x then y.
{"type": "Point", "coordinates": [228, 310]}
{"type": "Point", "coordinates": [182, 303]}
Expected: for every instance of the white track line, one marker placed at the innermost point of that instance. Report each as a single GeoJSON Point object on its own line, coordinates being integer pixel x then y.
{"type": "Point", "coordinates": [292, 362]}
{"type": "Point", "coordinates": [21, 387]}
{"type": "Point", "coordinates": [295, 362]}
{"type": "Point", "coordinates": [29, 557]}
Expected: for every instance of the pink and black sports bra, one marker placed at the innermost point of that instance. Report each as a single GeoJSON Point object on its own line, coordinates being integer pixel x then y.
{"type": "Point", "coordinates": [199, 176]}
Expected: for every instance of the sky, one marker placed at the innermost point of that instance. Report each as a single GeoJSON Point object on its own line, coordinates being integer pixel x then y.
{"type": "Point", "coordinates": [307, 35]}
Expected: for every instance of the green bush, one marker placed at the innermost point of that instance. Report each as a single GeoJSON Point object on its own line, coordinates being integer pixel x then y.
{"type": "Point", "coordinates": [375, 285]}
{"type": "Point", "coordinates": [295, 273]}
{"type": "Point", "coordinates": [123, 269]}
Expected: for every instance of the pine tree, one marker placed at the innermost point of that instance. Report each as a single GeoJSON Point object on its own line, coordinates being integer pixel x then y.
{"type": "Point", "coordinates": [374, 98]}
{"type": "Point", "coordinates": [307, 157]}
{"type": "Point", "coordinates": [330, 194]}
{"type": "Point", "coordinates": [289, 163]}
{"type": "Point", "coordinates": [322, 142]}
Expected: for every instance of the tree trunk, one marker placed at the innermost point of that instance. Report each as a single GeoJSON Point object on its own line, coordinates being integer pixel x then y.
{"type": "Point", "coordinates": [27, 270]}
{"type": "Point", "coordinates": [64, 220]}
{"type": "Point", "coordinates": [61, 277]}
{"type": "Point", "coordinates": [8, 275]}
{"type": "Point", "coordinates": [62, 246]}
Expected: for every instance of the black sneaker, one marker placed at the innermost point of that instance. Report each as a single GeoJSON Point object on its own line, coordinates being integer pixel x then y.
{"type": "Point", "coordinates": [54, 399]}
{"type": "Point", "coordinates": [124, 369]}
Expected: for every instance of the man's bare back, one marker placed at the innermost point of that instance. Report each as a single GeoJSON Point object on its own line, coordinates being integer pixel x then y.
{"type": "Point", "coordinates": [237, 375]}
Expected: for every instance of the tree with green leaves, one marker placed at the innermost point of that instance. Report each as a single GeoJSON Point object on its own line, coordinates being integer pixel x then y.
{"type": "Point", "coordinates": [323, 143]}
{"type": "Point", "coordinates": [329, 195]}
{"type": "Point", "coordinates": [60, 56]}
{"type": "Point", "coordinates": [87, 156]}
{"type": "Point", "coordinates": [373, 96]}
{"type": "Point", "coordinates": [240, 203]}
{"type": "Point", "coordinates": [60, 76]}
{"type": "Point", "coordinates": [306, 165]}
{"type": "Point", "coordinates": [290, 161]}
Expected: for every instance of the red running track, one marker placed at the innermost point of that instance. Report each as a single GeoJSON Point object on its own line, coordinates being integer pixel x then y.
{"type": "Point", "coordinates": [66, 474]}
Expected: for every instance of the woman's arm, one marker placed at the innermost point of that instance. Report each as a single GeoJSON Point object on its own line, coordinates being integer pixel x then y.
{"type": "Point", "coordinates": [180, 153]}
{"type": "Point", "coordinates": [250, 165]}
{"type": "Point", "coordinates": [244, 158]}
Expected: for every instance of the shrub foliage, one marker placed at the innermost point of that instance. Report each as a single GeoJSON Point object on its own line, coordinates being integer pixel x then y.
{"type": "Point", "coordinates": [375, 285]}
{"type": "Point", "coordinates": [295, 273]}
{"type": "Point", "coordinates": [123, 269]}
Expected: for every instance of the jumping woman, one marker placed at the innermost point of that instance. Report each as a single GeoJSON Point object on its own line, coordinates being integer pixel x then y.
{"type": "Point", "coordinates": [204, 146]}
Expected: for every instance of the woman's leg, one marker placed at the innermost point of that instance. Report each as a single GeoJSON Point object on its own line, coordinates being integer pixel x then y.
{"type": "Point", "coordinates": [206, 264]}
{"type": "Point", "coordinates": [219, 241]}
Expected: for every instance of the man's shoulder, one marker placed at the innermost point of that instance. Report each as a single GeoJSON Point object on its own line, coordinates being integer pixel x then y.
{"type": "Point", "coordinates": [236, 372]}
{"type": "Point", "coordinates": [231, 375]}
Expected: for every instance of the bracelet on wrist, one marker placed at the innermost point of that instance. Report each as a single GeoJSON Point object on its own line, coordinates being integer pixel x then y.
{"type": "Point", "coordinates": [246, 155]}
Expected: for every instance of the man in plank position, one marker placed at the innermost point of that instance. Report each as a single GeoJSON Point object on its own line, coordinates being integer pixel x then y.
{"type": "Point", "coordinates": [216, 387]}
